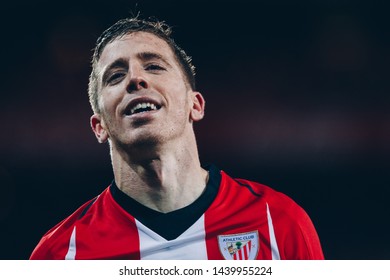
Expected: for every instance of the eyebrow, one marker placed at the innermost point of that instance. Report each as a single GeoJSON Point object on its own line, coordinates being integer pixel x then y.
{"type": "Point", "coordinates": [146, 56]}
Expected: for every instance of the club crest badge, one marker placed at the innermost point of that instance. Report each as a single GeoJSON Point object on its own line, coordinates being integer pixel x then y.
{"type": "Point", "coordinates": [242, 246]}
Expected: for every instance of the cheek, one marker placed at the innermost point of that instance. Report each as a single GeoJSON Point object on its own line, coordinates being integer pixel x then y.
{"type": "Point", "coordinates": [182, 103]}
{"type": "Point", "coordinates": [108, 116]}
{"type": "Point", "coordinates": [181, 96]}
{"type": "Point", "coordinates": [102, 103]}
{"type": "Point", "coordinates": [107, 103]}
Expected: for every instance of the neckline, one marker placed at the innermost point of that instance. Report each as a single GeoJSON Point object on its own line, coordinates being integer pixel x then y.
{"type": "Point", "coordinates": [172, 224]}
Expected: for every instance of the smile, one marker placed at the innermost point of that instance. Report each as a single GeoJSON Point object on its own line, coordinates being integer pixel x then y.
{"type": "Point", "coordinates": [141, 107]}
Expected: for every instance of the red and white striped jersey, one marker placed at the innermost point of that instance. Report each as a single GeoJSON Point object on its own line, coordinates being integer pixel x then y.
{"type": "Point", "coordinates": [234, 219]}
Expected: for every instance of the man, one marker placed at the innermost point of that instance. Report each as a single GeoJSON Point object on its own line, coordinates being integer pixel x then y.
{"type": "Point", "coordinates": [162, 204]}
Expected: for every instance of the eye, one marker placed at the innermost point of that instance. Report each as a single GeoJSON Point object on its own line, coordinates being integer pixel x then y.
{"type": "Point", "coordinates": [115, 78]}
{"type": "Point", "coordinates": [154, 67]}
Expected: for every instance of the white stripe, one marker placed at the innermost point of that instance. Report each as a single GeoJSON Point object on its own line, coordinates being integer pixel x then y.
{"type": "Point", "coordinates": [247, 248]}
{"type": "Point", "coordinates": [190, 245]}
{"type": "Point", "coordinates": [272, 237]}
{"type": "Point", "coordinates": [71, 255]}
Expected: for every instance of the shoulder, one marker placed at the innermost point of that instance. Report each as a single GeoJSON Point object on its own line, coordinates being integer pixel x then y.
{"type": "Point", "coordinates": [256, 189]}
{"type": "Point", "coordinates": [295, 233]}
{"type": "Point", "coordinates": [57, 238]}
{"type": "Point", "coordinates": [280, 204]}
{"type": "Point", "coordinates": [244, 192]}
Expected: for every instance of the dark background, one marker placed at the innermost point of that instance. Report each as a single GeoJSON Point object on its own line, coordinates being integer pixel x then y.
{"type": "Point", "coordinates": [297, 98]}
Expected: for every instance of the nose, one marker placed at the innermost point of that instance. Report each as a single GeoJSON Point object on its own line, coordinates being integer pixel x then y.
{"type": "Point", "coordinates": [137, 80]}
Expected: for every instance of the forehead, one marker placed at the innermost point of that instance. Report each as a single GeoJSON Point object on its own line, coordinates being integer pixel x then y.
{"type": "Point", "coordinates": [131, 44]}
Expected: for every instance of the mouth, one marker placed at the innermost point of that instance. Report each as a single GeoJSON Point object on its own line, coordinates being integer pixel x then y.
{"type": "Point", "coordinates": [139, 107]}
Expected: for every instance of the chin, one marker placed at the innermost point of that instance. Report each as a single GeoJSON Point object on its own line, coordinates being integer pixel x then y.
{"type": "Point", "coordinates": [144, 142]}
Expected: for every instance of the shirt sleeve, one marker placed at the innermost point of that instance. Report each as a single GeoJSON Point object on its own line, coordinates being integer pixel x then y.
{"type": "Point", "coordinates": [295, 233]}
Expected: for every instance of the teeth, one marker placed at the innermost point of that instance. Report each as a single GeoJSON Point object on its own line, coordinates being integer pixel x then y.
{"type": "Point", "coordinates": [143, 106]}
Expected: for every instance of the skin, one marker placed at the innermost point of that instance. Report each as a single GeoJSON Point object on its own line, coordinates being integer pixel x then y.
{"type": "Point", "coordinates": [154, 154]}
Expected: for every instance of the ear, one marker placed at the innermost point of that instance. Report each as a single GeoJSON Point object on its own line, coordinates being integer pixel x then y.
{"type": "Point", "coordinates": [99, 128]}
{"type": "Point", "coordinates": [198, 106]}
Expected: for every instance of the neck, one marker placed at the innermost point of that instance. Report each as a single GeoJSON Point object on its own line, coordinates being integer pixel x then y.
{"type": "Point", "coordinates": [165, 180]}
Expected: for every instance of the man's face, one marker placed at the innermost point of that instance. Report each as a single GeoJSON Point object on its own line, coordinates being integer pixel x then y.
{"type": "Point", "coordinates": [143, 95]}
